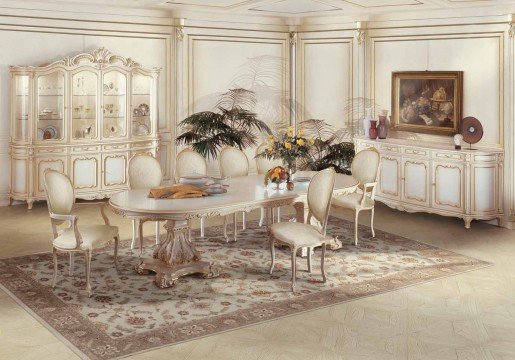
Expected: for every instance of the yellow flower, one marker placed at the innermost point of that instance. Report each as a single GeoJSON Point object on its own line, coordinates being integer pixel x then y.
{"type": "Point", "coordinates": [290, 128]}
{"type": "Point", "coordinates": [300, 142]}
{"type": "Point", "coordinates": [277, 170]}
{"type": "Point", "coordinates": [301, 132]}
{"type": "Point", "coordinates": [289, 133]}
{"type": "Point", "coordinates": [270, 137]}
{"type": "Point", "coordinates": [287, 145]}
{"type": "Point", "coordinates": [274, 176]}
{"type": "Point", "coordinates": [311, 141]}
{"type": "Point", "coordinates": [270, 148]}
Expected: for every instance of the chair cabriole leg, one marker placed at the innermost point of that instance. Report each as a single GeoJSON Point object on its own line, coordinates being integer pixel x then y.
{"type": "Point", "coordinates": [54, 257]}
{"type": "Point", "coordinates": [116, 244]}
{"type": "Point", "coordinates": [244, 220]}
{"type": "Point", "coordinates": [356, 223]}
{"type": "Point", "coordinates": [72, 263]}
{"type": "Point", "coordinates": [157, 232]}
{"type": "Point", "coordinates": [272, 251]}
{"type": "Point", "coordinates": [134, 233]}
{"type": "Point", "coordinates": [372, 223]}
{"type": "Point", "coordinates": [87, 256]}
{"type": "Point", "coordinates": [202, 221]}
{"type": "Point", "coordinates": [262, 217]}
{"type": "Point", "coordinates": [293, 268]}
{"type": "Point", "coordinates": [322, 263]}
{"type": "Point", "coordinates": [309, 260]}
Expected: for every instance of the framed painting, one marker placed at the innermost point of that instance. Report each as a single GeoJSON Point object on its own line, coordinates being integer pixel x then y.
{"type": "Point", "coordinates": [427, 101]}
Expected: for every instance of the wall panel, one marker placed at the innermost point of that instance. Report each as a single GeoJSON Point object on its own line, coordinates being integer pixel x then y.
{"type": "Point", "coordinates": [326, 83]}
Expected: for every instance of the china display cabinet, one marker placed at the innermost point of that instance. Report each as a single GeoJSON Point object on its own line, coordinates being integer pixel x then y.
{"type": "Point", "coordinates": [435, 178]}
{"type": "Point", "coordinates": [85, 116]}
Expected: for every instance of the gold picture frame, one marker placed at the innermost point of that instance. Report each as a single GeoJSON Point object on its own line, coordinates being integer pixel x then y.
{"type": "Point", "coordinates": [427, 101]}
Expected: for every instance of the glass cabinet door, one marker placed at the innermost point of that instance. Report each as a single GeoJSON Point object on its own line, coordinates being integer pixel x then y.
{"type": "Point", "coordinates": [21, 107]}
{"type": "Point", "coordinates": [84, 105]}
{"type": "Point", "coordinates": [114, 104]}
{"type": "Point", "coordinates": [50, 106]}
{"type": "Point", "coordinates": [141, 105]}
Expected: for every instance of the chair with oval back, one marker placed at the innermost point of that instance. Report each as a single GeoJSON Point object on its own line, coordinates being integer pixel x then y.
{"type": "Point", "coordinates": [189, 162]}
{"type": "Point", "coordinates": [365, 169]}
{"type": "Point", "coordinates": [233, 163]}
{"type": "Point", "coordinates": [263, 165]}
{"type": "Point", "coordinates": [305, 235]}
{"type": "Point", "coordinates": [84, 238]}
{"type": "Point", "coordinates": [144, 173]}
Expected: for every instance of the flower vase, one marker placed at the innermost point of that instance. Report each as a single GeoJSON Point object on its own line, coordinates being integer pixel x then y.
{"type": "Point", "coordinates": [372, 132]}
{"type": "Point", "coordinates": [382, 128]}
{"type": "Point", "coordinates": [366, 122]}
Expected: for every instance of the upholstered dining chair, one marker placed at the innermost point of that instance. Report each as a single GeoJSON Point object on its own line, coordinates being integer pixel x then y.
{"type": "Point", "coordinates": [299, 235]}
{"type": "Point", "coordinates": [189, 162]}
{"type": "Point", "coordinates": [365, 169]}
{"type": "Point", "coordinates": [263, 165]}
{"type": "Point", "coordinates": [233, 163]}
{"type": "Point", "coordinates": [144, 173]}
{"type": "Point", "coordinates": [85, 238]}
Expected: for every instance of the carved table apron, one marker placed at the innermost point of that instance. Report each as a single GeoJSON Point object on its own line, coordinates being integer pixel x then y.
{"type": "Point", "coordinates": [177, 256]}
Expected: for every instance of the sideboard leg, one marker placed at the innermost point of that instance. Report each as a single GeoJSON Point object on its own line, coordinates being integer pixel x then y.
{"type": "Point", "coordinates": [467, 222]}
{"type": "Point", "coordinates": [11, 201]}
{"type": "Point", "coordinates": [30, 203]}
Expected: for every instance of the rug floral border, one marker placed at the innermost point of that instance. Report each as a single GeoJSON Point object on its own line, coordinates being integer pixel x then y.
{"type": "Point", "coordinates": [88, 341]}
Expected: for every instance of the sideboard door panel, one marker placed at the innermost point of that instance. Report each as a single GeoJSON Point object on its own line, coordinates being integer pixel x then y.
{"type": "Point", "coordinates": [57, 163]}
{"type": "Point", "coordinates": [415, 173]}
{"type": "Point", "coordinates": [448, 186]}
{"type": "Point", "coordinates": [389, 181]}
{"type": "Point", "coordinates": [484, 199]}
{"type": "Point", "coordinates": [84, 172]}
{"type": "Point", "coordinates": [114, 170]}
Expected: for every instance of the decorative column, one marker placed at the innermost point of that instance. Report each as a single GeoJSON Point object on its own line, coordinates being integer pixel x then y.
{"type": "Point", "coordinates": [360, 70]}
{"type": "Point", "coordinates": [509, 122]}
{"type": "Point", "coordinates": [293, 78]}
{"type": "Point", "coordinates": [178, 83]}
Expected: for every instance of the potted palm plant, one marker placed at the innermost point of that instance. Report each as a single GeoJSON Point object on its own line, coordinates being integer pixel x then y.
{"type": "Point", "coordinates": [232, 123]}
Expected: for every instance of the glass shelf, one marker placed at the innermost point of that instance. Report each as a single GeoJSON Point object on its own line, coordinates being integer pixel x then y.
{"type": "Point", "coordinates": [50, 104]}
{"type": "Point", "coordinates": [84, 104]}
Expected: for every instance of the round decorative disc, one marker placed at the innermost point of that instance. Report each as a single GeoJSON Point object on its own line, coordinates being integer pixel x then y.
{"type": "Point", "coordinates": [471, 129]}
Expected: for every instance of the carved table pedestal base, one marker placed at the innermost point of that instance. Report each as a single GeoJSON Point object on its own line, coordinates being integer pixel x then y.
{"type": "Point", "coordinates": [175, 257]}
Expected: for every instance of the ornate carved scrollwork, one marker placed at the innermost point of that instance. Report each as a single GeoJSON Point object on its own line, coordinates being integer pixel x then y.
{"type": "Point", "coordinates": [179, 33]}
{"type": "Point", "coordinates": [360, 36]}
{"type": "Point", "coordinates": [293, 38]}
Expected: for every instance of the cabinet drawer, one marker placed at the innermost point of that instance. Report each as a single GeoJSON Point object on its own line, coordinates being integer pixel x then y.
{"type": "Point", "coordinates": [390, 148]}
{"type": "Point", "coordinates": [145, 144]}
{"type": "Point", "coordinates": [449, 155]}
{"type": "Point", "coordinates": [115, 147]}
{"type": "Point", "coordinates": [85, 148]}
{"type": "Point", "coordinates": [60, 150]}
{"type": "Point", "coordinates": [485, 158]}
{"type": "Point", "coordinates": [416, 152]}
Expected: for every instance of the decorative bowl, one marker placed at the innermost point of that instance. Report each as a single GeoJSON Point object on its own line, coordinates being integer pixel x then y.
{"type": "Point", "coordinates": [197, 180]}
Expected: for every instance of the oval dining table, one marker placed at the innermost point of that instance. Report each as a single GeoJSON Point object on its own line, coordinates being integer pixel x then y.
{"type": "Point", "coordinates": [176, 255]}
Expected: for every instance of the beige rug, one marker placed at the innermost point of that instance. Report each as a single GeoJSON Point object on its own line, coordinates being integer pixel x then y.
{"type": "Point", "coordinates": [129, 314]}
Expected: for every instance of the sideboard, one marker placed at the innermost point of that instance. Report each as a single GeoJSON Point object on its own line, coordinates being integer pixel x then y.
{"type": "Point", "coordinates": [435, 178]}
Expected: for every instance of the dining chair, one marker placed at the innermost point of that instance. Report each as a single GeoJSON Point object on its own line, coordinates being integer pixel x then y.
{"type": "Point", "coordinates": [365, 169]}
{"type": "Point", "coordinates": [263, 165]}
{"type": "Point", "coordinates": [233, 163]}
{"type": "Point", "coordinates": [84, 239]}
{"type": "Point", "coordinates": [144, 173]}
{"type": "Point", "coordinates": [189, 162]}
{"type": "Point", "coordinates": [297, 235]}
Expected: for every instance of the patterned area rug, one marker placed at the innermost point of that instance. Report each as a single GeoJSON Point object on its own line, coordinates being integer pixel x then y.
{"type": "Point", "coordinates": [129, 314]}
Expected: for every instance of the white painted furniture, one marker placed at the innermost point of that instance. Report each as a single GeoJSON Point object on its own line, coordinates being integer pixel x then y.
{"type": "Point", "coordinates": [435, 178]}
{"type": "Point", "coordinates": [189, 162]}
{"type": "Point", "coordinates": [176, 256]}
{"type": "Point", "coordinates": [84, 238]}
{"type": "Point", "coordinates": [365, 169]}
{"type": "Point", "coordinates": [144, 172]}
{"type": "Point", "coordinates": [233, 164]}
{"type": "Point", "coordinates": [263, 165]}
{"type": "Point", "coordinates": [297, 235]}
{"type": "Point", "coordinates": [84, 116]}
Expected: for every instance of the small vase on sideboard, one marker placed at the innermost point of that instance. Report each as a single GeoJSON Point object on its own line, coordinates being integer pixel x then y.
{"type": "Point", "coordinates": [372, 132]}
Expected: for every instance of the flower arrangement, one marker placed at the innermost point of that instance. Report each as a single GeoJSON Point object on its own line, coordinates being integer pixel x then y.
{"type": "Point", "coordinates": [276, 175]}
{"type": "Point", "coordinates": [288, 147]}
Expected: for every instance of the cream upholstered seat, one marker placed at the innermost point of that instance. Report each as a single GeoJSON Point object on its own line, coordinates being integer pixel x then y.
{"type": "Point", "coordinates": [144, 173]}
{"type": "Point", "coordinates": [365, 169]}
{"type": "Point", "coordinates": [233, 163]}
{"type": "Point", "coordinates": [263, 165]}
{"type": "Point", "coordinates": [61, 204]}
{"type": "Point", "coordinates": [189, 162]}
{"type": "Point", "coordinates": [299, 235]}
